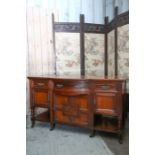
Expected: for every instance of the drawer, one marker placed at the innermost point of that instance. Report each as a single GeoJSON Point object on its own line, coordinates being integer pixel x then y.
{"type": "Point", "coordinates": [68, 85]}
{"type": "Point", "coordinates": [106, 87]}
{"type": "Point", "coordinates": [40, 83]}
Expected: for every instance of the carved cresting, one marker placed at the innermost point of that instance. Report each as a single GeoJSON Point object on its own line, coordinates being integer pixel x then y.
{"type": "Point", "coordinates": [75, 27]}
{"type": "Point", "coordinates": [71, 109]}
{"type": "Point", "coordinates": [94, 28]}
{"type": "Point", "coordinates": [67, 27]}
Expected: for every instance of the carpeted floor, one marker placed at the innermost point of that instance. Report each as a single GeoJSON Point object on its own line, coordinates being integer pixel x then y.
{"type": "Point", "coordinates": [67, 140]}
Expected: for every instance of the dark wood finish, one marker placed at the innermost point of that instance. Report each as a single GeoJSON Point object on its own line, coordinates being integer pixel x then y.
{"type": "Point", "coordinates": [116, 54]}
{"type": "Point", "coordinates": [106, 47]}
{"type": "Point", "coordinates": [121, 20]}
{"type": "Point", "coordinates": [66, 27]}
{"type": "Point", "coordinates": [94, 28]}
{"type": "Point", "coordinates": [75, 27]}
{"type": "Point", "coordinates": [40, 96]}
{"type": "Point", "coordinates": [95, 103]}
{"type": "Point", "coordinates": [82, 49]}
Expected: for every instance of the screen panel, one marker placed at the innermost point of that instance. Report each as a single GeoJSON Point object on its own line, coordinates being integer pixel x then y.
{"type": "Point", "coordinates": [67, 53]}
{"type": "Point", "coordinates": [111, 53]}
{"type": "Point", "coordinates": [123, 51]}
{"type": "Point", "coordinates": [94, 54]}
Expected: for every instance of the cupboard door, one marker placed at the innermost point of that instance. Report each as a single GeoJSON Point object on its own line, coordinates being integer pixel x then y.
{"type": "Point", "coordinates": [40, 97]}
{"type": "Point", "coordinates": [71, 109]}
{"type": "Point", "coordinates": [108, 103]}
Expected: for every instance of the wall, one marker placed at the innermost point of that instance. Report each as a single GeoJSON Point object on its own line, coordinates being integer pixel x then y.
{"type": "Point", "coordinates": [69, 10]}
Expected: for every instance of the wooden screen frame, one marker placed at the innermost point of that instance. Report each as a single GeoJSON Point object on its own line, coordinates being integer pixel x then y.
{"type": "Point", "coordinates": [82, 28]}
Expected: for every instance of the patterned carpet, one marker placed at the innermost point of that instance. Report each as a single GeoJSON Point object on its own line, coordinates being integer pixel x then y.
{"type": "Point", "coordinates": [63, 140]}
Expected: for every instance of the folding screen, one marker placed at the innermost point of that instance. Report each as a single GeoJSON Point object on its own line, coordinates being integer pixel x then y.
{"type": "Point", "coordinates": [92, 49]}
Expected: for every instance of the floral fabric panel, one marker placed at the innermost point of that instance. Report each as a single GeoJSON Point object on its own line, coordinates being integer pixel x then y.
{"type": "Point", "coordinates": [111, 54]}
{"type": "Point", "coordinates": [123, 51]}
{"type": "Point", "coordinates": [67, 53]}
{"type": "Point", "coordinates": [94, 54]}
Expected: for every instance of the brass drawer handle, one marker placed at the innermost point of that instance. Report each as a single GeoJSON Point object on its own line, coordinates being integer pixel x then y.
{"type": "Point", "coordinates": [59, 85]}
{"type": "Point", "coordinates": [105, 87]}
{"type": "Point", "coordinates": [78, 86]}
{"type": "Point", "coordinates": [40, 84]}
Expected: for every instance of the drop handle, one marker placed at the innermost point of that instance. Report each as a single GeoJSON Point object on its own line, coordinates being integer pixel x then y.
{"type": "Point", "coordinates": [105, 87]}
{"type": "Point", "coordinates": [59, 85]}
{"type": "Point", "coordinates": [40, 84]}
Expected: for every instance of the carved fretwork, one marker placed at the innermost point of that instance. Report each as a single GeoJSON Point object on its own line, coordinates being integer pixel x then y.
{"type": "Point", "coordinates": [120, 20]}
{"type": "Point", "coordinates": [123, 19]}
{"type": "Point", "coordinates": [111, 26]}
{"type": "Point", "coordinates": [66, 27]}
{"type": "Point", "coordinates": [71, 109]}
{"type": "Point", "coordinates": [94, 28]}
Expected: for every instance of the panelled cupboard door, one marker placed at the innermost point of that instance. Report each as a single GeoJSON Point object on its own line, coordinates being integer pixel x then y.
{"type": "Point", "coordinates": [40, 97]}
{"type": "Point", "coordinates": [72, 109]}
{"type": "Point", "coordinates": [108, 103]}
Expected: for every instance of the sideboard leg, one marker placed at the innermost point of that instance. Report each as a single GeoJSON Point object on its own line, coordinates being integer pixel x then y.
{"type": "Point", "coordinates": [120, 136]}
{"type": "Point", "coordinates": [52, 127]}
{"type": "Point", "coordinates": [32, 117]}
{"type": "Point", "coordinates": [120, 133]}
{"type": "Point", "coordinates": [92, 133]}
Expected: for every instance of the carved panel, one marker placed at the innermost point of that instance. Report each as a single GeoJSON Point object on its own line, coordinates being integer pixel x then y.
{"type": "Point", "coordinates": [120, 20]}
{"type": "Point", "coordinates": [67, 27]}
{"type": "Point", "coordinates": [71, 109]}
{"type": "Point", "coordinates": [94, 28]}
{"type": "Point", "coordinates": [123, 19]}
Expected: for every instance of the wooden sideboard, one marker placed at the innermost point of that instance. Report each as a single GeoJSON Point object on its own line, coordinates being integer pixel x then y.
{"type": "Point", "coordinates": [95, 103]}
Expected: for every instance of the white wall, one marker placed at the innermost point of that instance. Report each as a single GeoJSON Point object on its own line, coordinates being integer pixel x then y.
{"type": "Point", "coordinates": [69, 10]}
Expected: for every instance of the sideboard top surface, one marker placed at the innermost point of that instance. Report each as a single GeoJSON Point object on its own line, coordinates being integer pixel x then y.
{"type": "Point", "coordinates": [77, 77]}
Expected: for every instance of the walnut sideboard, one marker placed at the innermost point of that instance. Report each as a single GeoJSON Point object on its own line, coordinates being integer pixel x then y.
{"type": "Point", "coordinates": [86, 101]}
